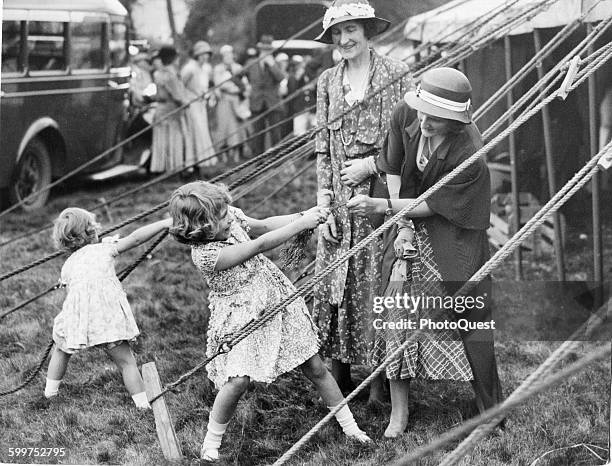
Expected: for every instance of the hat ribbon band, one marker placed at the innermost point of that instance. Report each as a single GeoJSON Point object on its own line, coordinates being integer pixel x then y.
{"type": "Point", "coordinates": [441, 101]}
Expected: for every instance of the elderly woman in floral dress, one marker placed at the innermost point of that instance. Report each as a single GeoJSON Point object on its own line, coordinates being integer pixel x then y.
{"type": "Point", "coordinates": [345, 151]}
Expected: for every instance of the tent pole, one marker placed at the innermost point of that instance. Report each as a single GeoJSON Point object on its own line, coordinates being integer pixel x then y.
{"type": "Point", "coordinates": [597, 246]}
{"type": "Point", "coordinates": [516, 220]}
{"type": "Point", "coordinates": [550, 169]}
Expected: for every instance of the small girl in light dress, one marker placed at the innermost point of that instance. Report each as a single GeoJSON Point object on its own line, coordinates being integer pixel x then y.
{"type": "Point", "coordinates": [96, 311]}
{"type": "Point", "coordinates": [243, 283]}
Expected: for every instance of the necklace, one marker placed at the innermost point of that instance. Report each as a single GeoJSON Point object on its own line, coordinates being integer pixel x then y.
{"type": "Point", "coordinates": [352, 99]}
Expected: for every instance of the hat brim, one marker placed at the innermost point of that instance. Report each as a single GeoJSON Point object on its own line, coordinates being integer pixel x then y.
{"type": "Point", "coordinates": [380, 26]}
{"type": "Point", "coordinates": [420, 105]}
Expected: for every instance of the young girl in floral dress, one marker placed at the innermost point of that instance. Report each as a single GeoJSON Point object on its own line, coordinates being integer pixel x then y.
{"type": "Point", "coordinates": [96, 311]}
{"type": "Point", "coordinates": [243, 283]}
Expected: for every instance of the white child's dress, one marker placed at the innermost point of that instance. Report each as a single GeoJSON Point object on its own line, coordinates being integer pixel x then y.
{"type": "Point", "coordinates": [238, 295]}
{"type": "Point", "coordinates": [96, 309]}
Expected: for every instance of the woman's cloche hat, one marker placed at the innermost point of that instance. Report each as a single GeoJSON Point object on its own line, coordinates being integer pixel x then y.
{"type": "Point", "coordinates": [443, 93]}
{"type": "Point", "coordinates": [350, 10]}
{"type": "Point", "coordinates": [201, 47]}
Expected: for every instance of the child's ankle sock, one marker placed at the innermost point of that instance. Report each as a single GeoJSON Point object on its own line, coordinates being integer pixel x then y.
{"type": "Point", "coordinates": [212, 440]}
{"type": "Point", "coordinates": [141, 401]}
{"type": "Point", "coordinates": [350, 428]}
{"type": "Point", "coordinates": [52, 387]}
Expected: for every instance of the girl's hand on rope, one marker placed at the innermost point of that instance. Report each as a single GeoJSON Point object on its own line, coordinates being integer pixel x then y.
{"type": "Point", "coordinates": [364, 205]}
{"type": "Point", "coordinates": [312, 218]}
{"type": "Point", "coordinates": [329, 230]}
{"type": "Point", "coordinates": [357, 170]}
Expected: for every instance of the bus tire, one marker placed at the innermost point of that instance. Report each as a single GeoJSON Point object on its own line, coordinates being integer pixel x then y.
{"type": "Point", "coordinates": [31, 174]}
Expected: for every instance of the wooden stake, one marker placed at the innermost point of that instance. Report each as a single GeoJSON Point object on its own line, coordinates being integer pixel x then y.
{"type": "Point", "coordinates": [170, 445]}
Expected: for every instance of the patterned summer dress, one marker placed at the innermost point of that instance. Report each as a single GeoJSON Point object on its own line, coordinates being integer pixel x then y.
{"type": "Point", "coordinates": [96, 309]}
{"type": "Point", "coordinates": [239, 295]}
{"type": "Point", "coordinates": [342, 307]}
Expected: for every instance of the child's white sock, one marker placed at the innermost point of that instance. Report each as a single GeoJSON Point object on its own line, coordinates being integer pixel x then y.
{"type": "Point", "coordinates": [350, 428]}
{"type": "Point", "coordinates": [212, 440]}
{"type": "Point", "coordinates": [52, 387]}
{"type": "Point", "coordinates": [141, 400]}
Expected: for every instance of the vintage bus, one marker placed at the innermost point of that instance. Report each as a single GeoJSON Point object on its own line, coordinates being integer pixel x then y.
{"type": "Point", "coordinates": [64, 82]}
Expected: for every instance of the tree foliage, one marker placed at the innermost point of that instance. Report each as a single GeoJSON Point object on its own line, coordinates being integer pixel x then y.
{"type": "Point", "coordinates": [232, 21]}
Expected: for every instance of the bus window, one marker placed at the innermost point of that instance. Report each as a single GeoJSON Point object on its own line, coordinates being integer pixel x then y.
{"type": "Point", "coordinates": [46, 46]}
{"type": "Point", "coordinates": [11, 39]}
{"type": "Point", "coordinates": [118, 45]}
{"type": "Point", "coordinates": [86, 46]}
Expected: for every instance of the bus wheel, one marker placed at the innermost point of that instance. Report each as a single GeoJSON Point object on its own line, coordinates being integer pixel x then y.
{"type": "Point", "coordinates": [32, 173]}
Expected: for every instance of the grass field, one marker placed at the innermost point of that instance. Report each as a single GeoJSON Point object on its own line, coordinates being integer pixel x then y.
{"type": "Point", "coordinates": [94, 419]}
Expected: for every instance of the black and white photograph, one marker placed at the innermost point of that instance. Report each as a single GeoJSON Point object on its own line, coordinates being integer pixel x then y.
{"type": "Point", "coordinates": [306, 232]}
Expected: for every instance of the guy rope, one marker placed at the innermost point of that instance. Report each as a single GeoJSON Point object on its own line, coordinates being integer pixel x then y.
{"type": "Point", "coordinates": [445, 52]}
{"type": "Point", "coordinates": [122, 276]}
{"type": "Point", "coordinates": [564, 194]}
{"type": "Point", "coordinates": [109, 151]}
{"type": "Point", "coordinates": [451, 58]}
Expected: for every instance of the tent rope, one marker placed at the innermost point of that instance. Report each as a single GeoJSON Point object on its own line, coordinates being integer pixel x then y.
{"type": "Point", "coordinates": [122, 276]}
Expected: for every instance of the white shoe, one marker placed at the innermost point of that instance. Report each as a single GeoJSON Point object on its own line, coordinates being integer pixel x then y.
{"type": "Point", "coordinates": [210, 455]}
{"type": "Point", "coordinates": [360, 436]}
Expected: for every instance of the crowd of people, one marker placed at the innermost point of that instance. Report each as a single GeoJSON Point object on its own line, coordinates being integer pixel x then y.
{"type": "Point", "coordinates": [377, 125]}
{"type": "Point", "coordinates": [257, 98]}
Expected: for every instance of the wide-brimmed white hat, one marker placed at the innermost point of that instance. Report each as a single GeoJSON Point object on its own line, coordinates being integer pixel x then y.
{"type": "Point", "coordinates": [350, 10]}
{"type": "Point", "coordinates": [443, 93]}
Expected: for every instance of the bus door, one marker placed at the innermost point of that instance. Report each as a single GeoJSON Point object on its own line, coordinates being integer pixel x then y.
{"type": "Point", "coordinates": [90, 95]}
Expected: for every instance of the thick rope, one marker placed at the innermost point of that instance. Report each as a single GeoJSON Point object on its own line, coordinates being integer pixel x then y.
{"type": "Point", "coordinates": [255, 62]}
{"type": "Point", "coordinates": [299, 173]}
{"type": "Point", "coordinates": [225, 347]}
{"type": "Point", "coordinates": [524, 117]}
{"type": "Point", "coordinates": [561, 197]}
{"type": "Point", "coordinates": [56, 286]}
{"type": "Point", "coordinates": [545, 368]}
{"type": "Point", "coordinates": [122, 276]}
{"type": "Point", "coordinates": [181, 169]}
{"type": "Point", "coordinates": [33, 373]}
{"type": "Point", "coordinates": [300, 153]}
{"type": "Point", "coordinates": [552, 73]}
{"type": "Point", "coordinates": [464, 50]}
{"type": "Point", "coordinates": [500, 410]}
{"type": "Point", "coordinates": [161, 178]}
{"type": "Point", "coordinates": [273, 152]}
{"type": "Point", "coordinates": [442, 9]}
{"type": "Point", "coordinates": [23, 304]}
{"type": "Point", "coordinates": [535, 61]}
{"type": "Point", "coordinates": [534, 378]}
{"type": "Point", "coordinates": [231, 340]}
{"type": "Point", "coordinates": [544, 52]}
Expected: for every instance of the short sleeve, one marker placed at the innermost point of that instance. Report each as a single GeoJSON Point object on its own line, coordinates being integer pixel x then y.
{"type": "Point", "coordinates": [391, 157]}
{"type": "Point", "coordinates": [111, 244]}
{"type": "Point", "coordinates": [205, 256]}
{"type": "Point", "coordinates": [240, 217]}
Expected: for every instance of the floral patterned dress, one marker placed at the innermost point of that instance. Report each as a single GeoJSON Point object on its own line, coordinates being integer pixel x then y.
{"type": "Point", "coordinates": [343, 306]}
{"type": "Point", "coordinates": [96, 309]}
{"type": "Point", "coordinates": [239, 295]}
